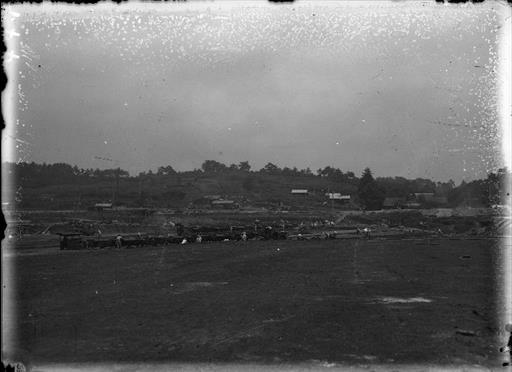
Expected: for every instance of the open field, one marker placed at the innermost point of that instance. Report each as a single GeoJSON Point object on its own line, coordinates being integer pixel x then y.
{"type": "Point", "coordinates": [355, 302]}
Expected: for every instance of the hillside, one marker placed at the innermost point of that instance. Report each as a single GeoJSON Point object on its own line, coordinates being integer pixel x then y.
{"type": "Point", "coordinates": [180, 190]}
{"type": "Point", "coordinates": [62, 186]}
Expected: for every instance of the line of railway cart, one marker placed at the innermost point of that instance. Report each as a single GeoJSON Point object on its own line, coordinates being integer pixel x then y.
{"type": "Point", "coordinates": [77, 240]}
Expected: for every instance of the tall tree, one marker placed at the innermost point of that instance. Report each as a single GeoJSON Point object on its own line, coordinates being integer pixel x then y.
{"type": "Point", "coordinates": [370, 193]}
{"type": "Point", "coordinates": [165, 171]}
{"type": "Point", "coordinates": [271, 169]}
{"type": "Point", "coordinates": [244, 166]}
{"type": "Point", "coordinates": [212, 166]}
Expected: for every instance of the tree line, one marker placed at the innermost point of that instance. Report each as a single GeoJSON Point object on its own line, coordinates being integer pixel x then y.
{"type": "Point", "coordinates": [371, 191]}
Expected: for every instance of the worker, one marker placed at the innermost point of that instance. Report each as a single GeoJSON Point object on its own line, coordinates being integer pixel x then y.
{"type": "Point", "coordinates": [63, 242]}
{"type": "Point", "coordinates": [140, 239]}
{"type": "Point", "coordinates": [119, 242]}
{"type": "Point", "coordinates": [267, 233]}
{"type": "Point", "coordinates": [199, 238]}
{"type": "Point", "coordinates": [244, 236]}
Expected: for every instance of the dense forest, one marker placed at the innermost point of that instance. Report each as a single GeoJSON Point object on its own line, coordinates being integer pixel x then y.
{"type": "Point", "coordinates": [61, 185]}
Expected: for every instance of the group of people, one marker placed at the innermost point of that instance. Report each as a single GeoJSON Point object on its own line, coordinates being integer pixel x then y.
{"type": "Point", "coordinates": [199, 238]}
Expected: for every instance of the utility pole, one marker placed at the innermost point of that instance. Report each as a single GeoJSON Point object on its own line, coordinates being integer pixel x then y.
{"type": "Point", "coordinates": [332, 203]}
{"type": "Point", "coordinates": [116, 195]}
{"type": "Point", "coordinates": [115, 186]}
{"type": "Point", "coordinates": [140, 191]}
{"type": "Point", "coordinates": [329, 195]}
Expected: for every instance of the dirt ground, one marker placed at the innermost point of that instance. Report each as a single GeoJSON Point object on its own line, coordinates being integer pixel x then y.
{"type": "Point", "coordinates": [355, 302]}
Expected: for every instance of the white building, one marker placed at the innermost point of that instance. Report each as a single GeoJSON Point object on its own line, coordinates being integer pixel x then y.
{"type": "Point", "coordinates": [337, 196]}
{"type": "Point", "coordinates": [299, 192]}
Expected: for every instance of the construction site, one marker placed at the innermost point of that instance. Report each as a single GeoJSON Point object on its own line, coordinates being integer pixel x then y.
{"type": "Point", "coordinates": [259, 287]}
{"type": "Point", "coordinates": [139, 227]}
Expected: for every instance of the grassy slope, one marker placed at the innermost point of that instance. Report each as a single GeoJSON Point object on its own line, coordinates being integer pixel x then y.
{"type": "Point", "coordinates": [178, 191]}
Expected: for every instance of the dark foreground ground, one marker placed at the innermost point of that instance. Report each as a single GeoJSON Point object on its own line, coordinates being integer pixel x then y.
{"type": "Point", "coordinates": [408, 301]}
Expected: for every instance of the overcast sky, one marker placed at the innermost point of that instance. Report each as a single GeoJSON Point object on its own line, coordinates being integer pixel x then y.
{"type": "Point", "coordinates": [405, 89]}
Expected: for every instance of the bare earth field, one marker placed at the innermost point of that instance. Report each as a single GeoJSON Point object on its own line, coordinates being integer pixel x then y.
{"type": "Point", "coordinates": [353, 302]}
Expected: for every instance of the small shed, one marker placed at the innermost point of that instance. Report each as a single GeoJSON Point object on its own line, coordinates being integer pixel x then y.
{"type": "Point", "coordinates": [337, 196]}
{"type": "Point", "coordinates": [427, 198]}
{"type": "Point", "coordinates": [393, 203]}
{"type": "Point", "coordinates": [103, 206]}
{"type": "Point", "coordinates": [299, 192]}
{"type": "Point", "coordinates": [412, 205]}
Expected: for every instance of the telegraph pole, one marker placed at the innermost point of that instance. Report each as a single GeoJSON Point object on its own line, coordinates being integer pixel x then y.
{"type": "Point", "coordinates": [116, 195]}
{"type": "Point", "coordinates": [115, 187]}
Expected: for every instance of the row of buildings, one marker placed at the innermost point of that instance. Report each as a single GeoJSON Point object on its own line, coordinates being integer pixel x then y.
{"type": "Point", "coordinates": [218, 202]}
{"type": "Point", "coordinates": [416, 200]}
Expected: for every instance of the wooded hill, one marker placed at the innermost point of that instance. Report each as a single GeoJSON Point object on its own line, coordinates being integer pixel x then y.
{"type": "Point", "coordinates": [62, 186]}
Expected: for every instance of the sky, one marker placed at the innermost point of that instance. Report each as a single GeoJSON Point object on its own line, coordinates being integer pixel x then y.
{"type": "Point", "coordinates": [403, 88]}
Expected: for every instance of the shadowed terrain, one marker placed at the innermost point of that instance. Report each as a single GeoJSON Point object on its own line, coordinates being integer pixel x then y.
{"type": "Point", "coordinates": [360, 301]}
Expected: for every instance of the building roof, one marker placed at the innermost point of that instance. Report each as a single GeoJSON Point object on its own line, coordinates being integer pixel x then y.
{"type": "Point", "coordinates": [337, 196]}
{"type": "Point", "coordinates": [412, 205]}
{"type": "Point", "coordinates": [393, 201]}
{"type": "Point", "coordinates": [431, 198]}
{"type": "Point", "coordinates": [299, 191]}
{"type": "Point", "coordinates": [222, 202]}
{"type": "Point", "coordinates": [103, 205]}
